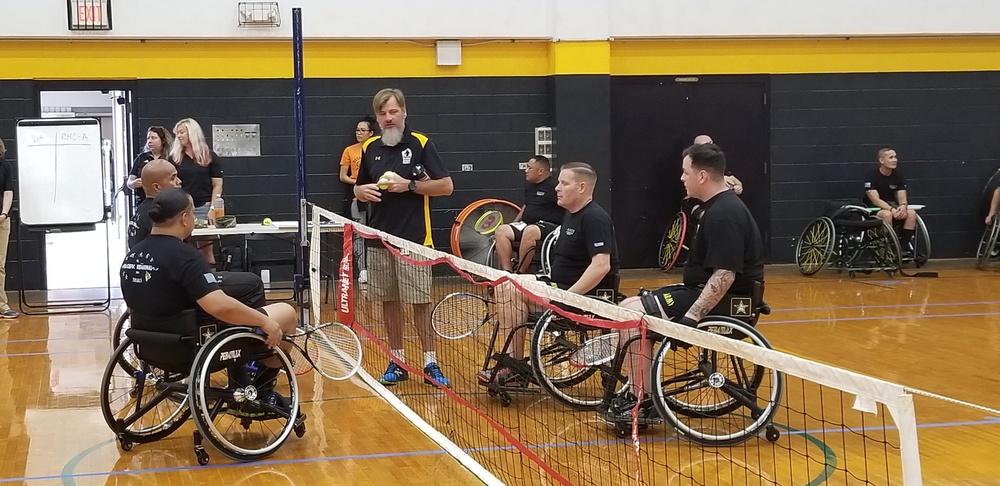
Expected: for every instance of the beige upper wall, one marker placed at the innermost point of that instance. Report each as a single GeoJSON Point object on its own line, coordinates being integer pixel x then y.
{"type": "Point", "coordinates": [519, 19]}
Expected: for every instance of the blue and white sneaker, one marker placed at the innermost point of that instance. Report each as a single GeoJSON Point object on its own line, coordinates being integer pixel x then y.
{"type": "Point", "coordinates": [394, 374]}
{"type": "Point", "coordinates": [433, 371]}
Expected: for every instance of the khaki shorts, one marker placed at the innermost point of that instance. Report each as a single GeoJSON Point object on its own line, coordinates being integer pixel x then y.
{"type": "Point", "coordinates": [390, 278]}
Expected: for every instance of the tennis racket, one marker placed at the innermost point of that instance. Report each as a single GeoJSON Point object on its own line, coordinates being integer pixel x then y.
{"type": "Point", "coordinates": [332, 349]}
{"type": "Point", "coordinates": [460, 314]}
{"type": "Point", "coordinates": [595, 351]}
{"type": "Point", "coordinates": [488, 222]}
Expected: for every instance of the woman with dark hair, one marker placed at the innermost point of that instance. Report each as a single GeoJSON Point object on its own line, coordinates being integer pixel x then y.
{"type": "Point", "coordinates": [7, 185]}
{"type": "Point", "coordinates": [158, 141]}
{"type": "Point", "coordinates": [350, 161]}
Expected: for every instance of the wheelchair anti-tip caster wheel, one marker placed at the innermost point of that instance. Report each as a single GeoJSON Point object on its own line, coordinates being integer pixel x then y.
{"type": "Point", "coordinates": [300, 430]}
{"type": "Point", "coordinates": [504, 399]}
{"type": "Point", "coordinates": [202, 457]}
{"type": "Point", "coordinates": [126, 444]}
{"type": "Point", "coordinates": [772, 434]}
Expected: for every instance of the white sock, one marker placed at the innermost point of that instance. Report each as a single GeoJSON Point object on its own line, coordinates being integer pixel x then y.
{"type": "Point", "coordinates": [398, 353]}
{"type": "Point", "coordinates": [430, 357]}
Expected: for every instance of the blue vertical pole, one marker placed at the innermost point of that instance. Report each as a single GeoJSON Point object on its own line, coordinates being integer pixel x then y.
{"type": "Point", "coordinates": [300, 159]}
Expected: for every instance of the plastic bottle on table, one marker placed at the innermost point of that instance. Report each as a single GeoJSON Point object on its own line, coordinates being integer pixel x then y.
{"type": "Point", "coordinates": [218, 207]}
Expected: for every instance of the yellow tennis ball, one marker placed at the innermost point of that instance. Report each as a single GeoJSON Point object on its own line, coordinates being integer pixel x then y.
{"type": "Point", "coordinates": [267, 221]}
{"type": "Point", "coordinates": [383, 184]}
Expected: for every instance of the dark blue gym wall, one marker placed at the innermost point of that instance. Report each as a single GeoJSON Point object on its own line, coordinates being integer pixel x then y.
{"type": "Point", "coordinates": [17, 100]}
{"type": "Point", "coordinates": [827, 128]}
{"type": "Point", "coordinates": [487, 121]}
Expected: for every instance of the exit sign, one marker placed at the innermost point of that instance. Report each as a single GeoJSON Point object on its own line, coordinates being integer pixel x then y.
{"type": "Point", "coordinates": [89, 14]}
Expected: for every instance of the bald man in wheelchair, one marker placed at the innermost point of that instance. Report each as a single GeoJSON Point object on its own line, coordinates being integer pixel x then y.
{"type": "Point", "coordinates": [539, 215]}
{"type": "Point", "coordinates": [162, 277]}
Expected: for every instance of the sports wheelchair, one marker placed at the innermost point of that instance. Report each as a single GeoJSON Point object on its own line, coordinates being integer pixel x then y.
{"type": "Point", "coordinates": [542, 260]}
{"type": "Point", "coordinates": [851, 238]}
{"type": "Point", "coordinates": [553, 339]}
{"type": "Point", "coordinates": [167, 369]}
{"type": "Point", "coordinates": [708, 396]}
{"type": "Point", "coordinates": [988, 251]}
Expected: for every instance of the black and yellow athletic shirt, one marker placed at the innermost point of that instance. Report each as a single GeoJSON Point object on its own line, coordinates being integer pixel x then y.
{"type": "Point", "coordinates": [406, 214]}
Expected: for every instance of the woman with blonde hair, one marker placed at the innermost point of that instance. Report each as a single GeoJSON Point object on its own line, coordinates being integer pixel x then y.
{"type": "Point", "coordinates": [200, 172]}
{"type": "Point", "coordinates": [158, 141]}
{"type": "Point", "coordinates": [7, 185]}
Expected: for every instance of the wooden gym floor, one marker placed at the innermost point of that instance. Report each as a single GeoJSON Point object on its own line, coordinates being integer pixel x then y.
{"type": "Point", "coordinates": [941, 335]}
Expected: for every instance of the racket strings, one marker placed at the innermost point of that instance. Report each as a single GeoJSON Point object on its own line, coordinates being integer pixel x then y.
{"type": "Point", "coordinates": [595, 351]}
{"type": "Point", "coordinates": [459, 315]}
{"type": "Point", "coordinates": [335, 351]}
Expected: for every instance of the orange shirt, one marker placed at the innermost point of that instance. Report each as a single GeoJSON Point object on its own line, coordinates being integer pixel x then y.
{"type": "Point", "coordinates": [352, 158]}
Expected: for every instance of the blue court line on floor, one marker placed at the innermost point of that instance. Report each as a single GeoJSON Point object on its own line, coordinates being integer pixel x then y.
{"type": "Point", "coordinates": [882, 306]}
{"type": "Point", "coordinates": [761, 323]}
{"type": "Point", "coordinates": [986, 421]}
{"type": "Point", "coordinates": [873, 318]}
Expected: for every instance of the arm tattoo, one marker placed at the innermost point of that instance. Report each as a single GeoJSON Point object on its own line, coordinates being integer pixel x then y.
{"type": "Point", "coordinates": [717, 286]}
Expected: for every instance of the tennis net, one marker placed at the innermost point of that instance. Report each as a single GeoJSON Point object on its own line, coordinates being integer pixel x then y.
{"type": "Point", "coordinates": [725, 408]}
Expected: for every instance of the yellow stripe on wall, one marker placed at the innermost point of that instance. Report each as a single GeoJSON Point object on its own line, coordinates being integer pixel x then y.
{"type": "Point", "coordinates": [263, 59]}
{"type": "Point", "coordinates": [585, 57]}
{"type": "Point", "coordinates": [795, 56]}
{"type": "Point", "coordinates": [117, 59]}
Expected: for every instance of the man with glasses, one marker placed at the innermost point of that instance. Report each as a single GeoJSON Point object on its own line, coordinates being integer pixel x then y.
{"type": "Point", "coordinates": [538, 217]}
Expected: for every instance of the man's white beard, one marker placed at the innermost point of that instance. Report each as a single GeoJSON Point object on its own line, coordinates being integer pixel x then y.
{"type": "Point", "coordinates": [392, 136]}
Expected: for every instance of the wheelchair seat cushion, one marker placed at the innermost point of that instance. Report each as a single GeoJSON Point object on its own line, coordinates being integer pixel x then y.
{"type": "Point", "coordinates": [858, 224]}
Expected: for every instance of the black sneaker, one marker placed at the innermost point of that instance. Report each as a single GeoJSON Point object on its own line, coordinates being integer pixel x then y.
{"type": "Point", "coordinates": [619, 411]}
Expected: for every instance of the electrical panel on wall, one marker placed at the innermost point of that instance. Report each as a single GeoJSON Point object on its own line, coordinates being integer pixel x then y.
{"type": "Point", "coordinates": [544, 142]}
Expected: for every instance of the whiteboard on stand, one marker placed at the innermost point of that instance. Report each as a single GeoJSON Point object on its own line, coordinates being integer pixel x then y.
{"type": "Point", "coordinates": [60, 172]}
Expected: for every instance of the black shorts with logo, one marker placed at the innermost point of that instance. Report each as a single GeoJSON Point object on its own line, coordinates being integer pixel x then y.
{"type": "Point", "coordinates": [673, 301]}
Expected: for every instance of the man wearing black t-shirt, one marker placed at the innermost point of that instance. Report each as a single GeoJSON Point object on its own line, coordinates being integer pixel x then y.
{"type": "Point", "coordinates": [584, 259]}
{"type": "Point", "coordinates": [885, 188]}
{"type": "Point", "coordinates": [162, 276]}
{"type": "Point", "coordinates": [408, 165]}
{"type": "Point", "coordinates": [727, 257]}
{"type": "Point", "coordinates": [538, 217]}
{"type": "Point", "coordinates": [157, 175]}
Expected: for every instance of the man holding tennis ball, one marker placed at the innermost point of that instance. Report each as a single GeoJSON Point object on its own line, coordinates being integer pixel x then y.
{"type": "Point", "coordinates": [400, 172]}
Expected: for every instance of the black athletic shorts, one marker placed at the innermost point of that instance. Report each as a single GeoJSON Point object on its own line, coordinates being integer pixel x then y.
{"type": "Point", "coordinates": [545, 227]}
{"type": "Point", "coordinates": [673, 301]}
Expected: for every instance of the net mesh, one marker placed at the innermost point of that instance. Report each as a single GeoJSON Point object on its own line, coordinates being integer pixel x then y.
{"type": "Point", "coordinates": [532, 401]}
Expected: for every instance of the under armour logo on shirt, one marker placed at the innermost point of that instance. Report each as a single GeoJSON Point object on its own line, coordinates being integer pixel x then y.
{"type": "Point", "coordinates": [598, 244]}
{"type": "Point", "coordinates": [210, 278]}
{"type": "Point", "coordinates": [868, 184]}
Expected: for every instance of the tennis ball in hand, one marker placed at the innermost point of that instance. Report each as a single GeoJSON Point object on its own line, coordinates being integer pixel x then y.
{"type": "Point", "coordinates": [266, 222]}
{"type": "Point", "coordinates": [386, 180]}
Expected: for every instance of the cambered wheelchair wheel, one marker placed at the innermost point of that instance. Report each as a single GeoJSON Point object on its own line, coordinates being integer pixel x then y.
{"type": "Point", "coordinates": [711, 397]}
{"type": "Point", "coordinates": [921, 243]}
{"type": "Point", "coordinates": [244, 408]}
{"type": "Point", "coordinates": [141, 406]}
{"type": "Point", "coordinates": [553, 342]}
{"type": "Point", "coordinates": [672, 243]}
{"type": "Point", "coordinates": [129, 361]}
{"type": "Point", "coordinates": [815, 246]}
{"type": "Point", "coordinates": [885, 247]}
{"type": "Point", "coordinates": [548, 244]}
{"type": "Point", "coordinates": [466, 241]}
{"type": "Point", "coordinates": [988, 244]}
